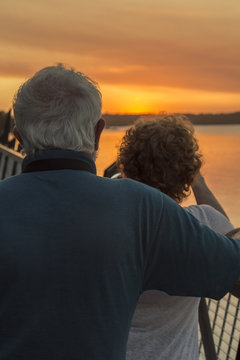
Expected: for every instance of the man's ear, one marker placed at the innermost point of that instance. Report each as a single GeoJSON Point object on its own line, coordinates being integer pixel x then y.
{"type": "Point", "coordinates": [98, 130]}
{"type": "Point", "coordinates": [17, 135]}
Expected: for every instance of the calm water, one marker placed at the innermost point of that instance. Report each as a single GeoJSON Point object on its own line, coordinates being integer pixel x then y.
{"type": "Point", "coordinates": [220, 146]}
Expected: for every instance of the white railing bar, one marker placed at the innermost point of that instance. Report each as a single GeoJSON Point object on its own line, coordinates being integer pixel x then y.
{"type": "Point", "coordinates": [11, 153]}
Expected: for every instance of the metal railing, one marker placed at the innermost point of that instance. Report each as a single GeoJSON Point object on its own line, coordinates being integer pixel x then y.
{"type": "Point", "coordinates": [218, 320]}
{"type": "Point", "coordinates": [219, 324]}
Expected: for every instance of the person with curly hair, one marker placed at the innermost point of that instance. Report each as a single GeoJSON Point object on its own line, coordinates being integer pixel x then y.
{"type": "Point", "coordinates": [163, 153]}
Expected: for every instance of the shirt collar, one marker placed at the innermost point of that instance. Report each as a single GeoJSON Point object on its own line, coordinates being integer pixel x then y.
{"type": "Point", "coordinates": [59, 154]}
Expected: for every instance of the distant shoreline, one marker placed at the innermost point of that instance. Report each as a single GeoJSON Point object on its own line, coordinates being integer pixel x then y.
{"type": "Point", "coordinates": [126, 120]}
{"type": "Point", "coordinates": [118, 120]}
{"type": "Point", "coordinates": [207, 129]}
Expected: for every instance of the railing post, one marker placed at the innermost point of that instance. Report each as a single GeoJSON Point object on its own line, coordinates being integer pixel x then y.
{"type": "Point", "coordinates": [206, 331]}
{"type": "Point", "coordinates": [238, 352]}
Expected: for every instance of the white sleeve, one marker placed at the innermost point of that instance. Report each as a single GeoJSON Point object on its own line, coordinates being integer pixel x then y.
{"type": "Point", "coordinates": [209, 216]}
{"type": "Point", "coordinates": [116, 176]}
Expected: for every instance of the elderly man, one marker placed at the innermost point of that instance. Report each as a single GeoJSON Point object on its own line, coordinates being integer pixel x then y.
{"type": "Point", "coordinates": [77, 250]}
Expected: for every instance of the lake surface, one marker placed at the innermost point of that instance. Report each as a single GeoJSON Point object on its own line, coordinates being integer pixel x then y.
{"type": "Point", "coordinates": [220, 146]}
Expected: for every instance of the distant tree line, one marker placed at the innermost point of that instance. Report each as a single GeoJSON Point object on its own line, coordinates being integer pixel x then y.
{"type": "Point", "coordinates": [214, 119]}
{"type": "Point", "coordinates": [196, 119]}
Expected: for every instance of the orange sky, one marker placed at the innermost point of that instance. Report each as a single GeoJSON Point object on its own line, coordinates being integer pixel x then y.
{"type": "Point", "coordinates": [147, 56]}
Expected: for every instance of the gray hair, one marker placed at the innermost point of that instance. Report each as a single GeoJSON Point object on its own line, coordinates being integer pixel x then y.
{"type": "Point", "coordinates": [57, 108]}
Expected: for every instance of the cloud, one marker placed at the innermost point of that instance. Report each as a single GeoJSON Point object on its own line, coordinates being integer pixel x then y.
{"type": "Point", "coordinates": [192, 46]}
{"type": "Point", "coordinates": [189, 68]}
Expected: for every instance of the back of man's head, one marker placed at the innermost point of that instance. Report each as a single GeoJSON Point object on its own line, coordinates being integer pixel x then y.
{"type": "Point", "coordinates": [58, 108]}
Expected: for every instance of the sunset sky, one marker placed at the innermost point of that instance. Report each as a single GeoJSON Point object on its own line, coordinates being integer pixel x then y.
{"type": "Point", "coordinates": [146, 55]}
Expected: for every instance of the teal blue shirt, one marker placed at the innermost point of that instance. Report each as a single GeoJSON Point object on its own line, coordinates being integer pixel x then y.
{"type": "Point", "coordinates": [77, 250]}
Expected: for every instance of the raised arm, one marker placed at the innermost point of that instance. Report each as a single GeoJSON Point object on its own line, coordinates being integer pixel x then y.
{"type": "Point", "coordinates": [204, 195]}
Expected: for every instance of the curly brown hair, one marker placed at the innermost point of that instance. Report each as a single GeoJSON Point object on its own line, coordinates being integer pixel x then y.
{"type": "Point", "coordinates": [162, 153]}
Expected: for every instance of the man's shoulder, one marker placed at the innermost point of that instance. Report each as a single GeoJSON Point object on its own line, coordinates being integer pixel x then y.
{"type": "Point", "coordinates": [10, 186]}
{"type": "Point", "coordinates": [10, 181]}
{"type": "Point", "coordinates": [133, 187]}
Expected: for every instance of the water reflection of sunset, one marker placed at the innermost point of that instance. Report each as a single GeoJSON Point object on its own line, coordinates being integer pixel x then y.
{"type": "Point", "coordinates": [221, 156]}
